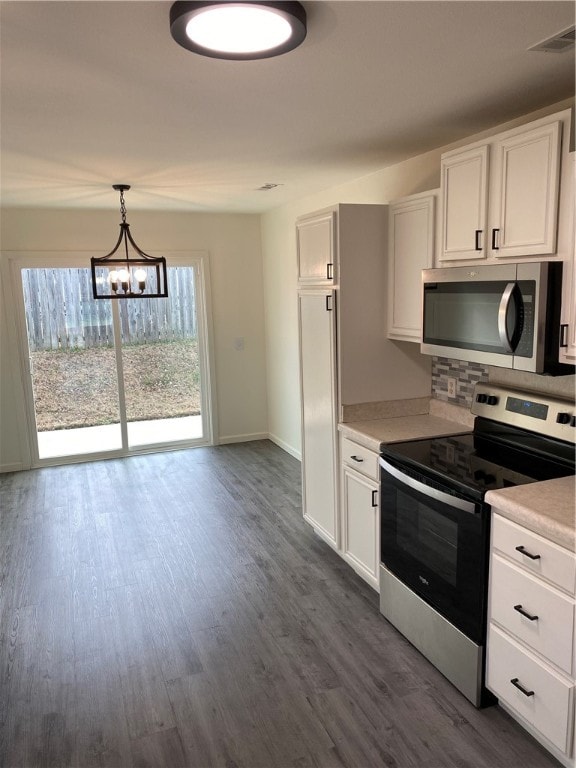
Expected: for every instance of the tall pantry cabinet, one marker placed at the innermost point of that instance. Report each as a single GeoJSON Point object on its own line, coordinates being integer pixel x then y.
{"type": "Point", "coordinates": [346, 358]}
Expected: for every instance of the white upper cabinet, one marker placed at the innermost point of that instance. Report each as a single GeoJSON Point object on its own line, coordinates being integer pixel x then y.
{"type": "Point", "coordinates": [316, 248]}
{"type": "Point", "coordinates": [568, 321]}
{"type": "Point", "coordinates": [500, 198]}
{"type": "Point", "coordinates": [411, 232]}
{"type": "Point", "coordinates": [464, 188]}
{"type": "Point", "coordinates": [524, 193]}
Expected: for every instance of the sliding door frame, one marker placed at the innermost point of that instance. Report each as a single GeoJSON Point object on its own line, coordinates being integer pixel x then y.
{"type": "Point", "coordinates": [199, 260]}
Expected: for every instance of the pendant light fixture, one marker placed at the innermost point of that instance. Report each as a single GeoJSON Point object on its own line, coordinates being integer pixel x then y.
{"type": "Point", "coordinates": [128, 277]}
{"type": "Point", "coordinates": [225, 29]}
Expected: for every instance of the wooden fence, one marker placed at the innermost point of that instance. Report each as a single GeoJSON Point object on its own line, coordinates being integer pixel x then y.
{"type": "Point", "coordinates": [61, 312]}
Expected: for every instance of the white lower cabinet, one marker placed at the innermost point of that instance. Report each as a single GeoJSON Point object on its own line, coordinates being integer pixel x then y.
{"type": "Point", "coordinates": [317, 328]}
{"type": "Point", "coordinates": [360, 510]}
{"type": "Point", "coordinates": [533, 690]}
{"type": "Point", "coordinates": [530, 661]}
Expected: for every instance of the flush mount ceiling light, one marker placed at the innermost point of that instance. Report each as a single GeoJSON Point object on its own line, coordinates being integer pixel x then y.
{"type": "Point", "coordinates": [128, 277]}
{"type": "Point", "coordinates": [225, 29]}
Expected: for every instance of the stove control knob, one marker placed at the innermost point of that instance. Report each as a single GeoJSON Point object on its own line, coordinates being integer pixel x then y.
{"type": "Point", "coordinates": [481, 398]}
{"type": "Point", "coordinates": [492, 400]}
{"type": "Point", "coordinates": [563, 418]}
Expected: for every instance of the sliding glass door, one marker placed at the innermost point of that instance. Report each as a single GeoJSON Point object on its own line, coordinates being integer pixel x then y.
{"type": "Point", "coordinates": [114, 377]}
{"type": "Point", "coordinates": [161, 363]}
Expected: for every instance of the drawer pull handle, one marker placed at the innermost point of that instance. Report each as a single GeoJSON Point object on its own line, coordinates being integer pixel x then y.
{"type": "Point", "coordinates": [528, 554]}
{"type": "Point", "coordinates": [359, 459]}
{"type": "Point", "coordinates": [524, 613]}
{"type": "Point", "coordinates": [520, 687]}
{"type": "Point", "coordinates": [374, 498]}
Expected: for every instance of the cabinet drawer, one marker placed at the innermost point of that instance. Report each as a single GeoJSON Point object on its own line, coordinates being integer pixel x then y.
{"type": "Point", "coordinates": [516, 596]}
{"type": "Point", "coordinates": [548, 560]}
{"type": "Point", "coordinates": [362, 459]}
{"type": "Point", "coordinates": [548, 708]}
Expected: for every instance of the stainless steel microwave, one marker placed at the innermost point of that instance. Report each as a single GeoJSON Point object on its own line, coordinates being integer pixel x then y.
{"type": "Point", "coordinates": [506, 315]}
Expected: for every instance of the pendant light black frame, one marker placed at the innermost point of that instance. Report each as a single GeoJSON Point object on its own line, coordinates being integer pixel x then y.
{"type": "Point", "coordinates": [294, 13]}
{"type": "Point", "coordinates": [123, 290]}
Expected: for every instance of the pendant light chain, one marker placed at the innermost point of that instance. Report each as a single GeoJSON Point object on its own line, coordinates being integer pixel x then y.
{"type": "Point", "coordinates": [122, 207]}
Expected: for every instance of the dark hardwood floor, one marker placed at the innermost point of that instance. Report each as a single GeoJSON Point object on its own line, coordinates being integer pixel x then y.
{"type": "Point", "coordinates": [174, 610]}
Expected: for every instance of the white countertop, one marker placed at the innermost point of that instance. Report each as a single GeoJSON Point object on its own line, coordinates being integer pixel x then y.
{"type": "Point", "coordinates": [547, 508]}
{"type": "Point", "coordinates": [377, 432]}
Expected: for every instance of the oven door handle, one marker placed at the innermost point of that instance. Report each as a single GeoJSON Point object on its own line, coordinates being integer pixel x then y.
{"type": "Point", "coordinates": [426, 490]}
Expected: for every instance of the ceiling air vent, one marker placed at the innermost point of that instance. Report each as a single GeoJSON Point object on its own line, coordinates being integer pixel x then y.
{"type": "Point", "coordinates": [563, 41]}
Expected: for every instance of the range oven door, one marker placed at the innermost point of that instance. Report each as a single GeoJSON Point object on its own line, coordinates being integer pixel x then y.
{"type": "Point", "coordinates": [436, 544]}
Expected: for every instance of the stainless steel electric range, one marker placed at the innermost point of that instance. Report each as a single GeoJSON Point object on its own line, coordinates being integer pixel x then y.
{"type": "Point", "coordinates": [435, 524]}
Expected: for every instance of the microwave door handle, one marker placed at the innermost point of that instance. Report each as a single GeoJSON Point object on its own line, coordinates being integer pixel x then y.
{"type": "Point", "coordinates": [502, 313]}
{"type": "Point", "coordinates": [426, 490]}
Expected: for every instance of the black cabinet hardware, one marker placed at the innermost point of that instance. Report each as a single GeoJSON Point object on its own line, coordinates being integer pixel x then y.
{"type": "Point", "coordinates": [525, 613]}
{"type": "Point", "coordinates": [528, 554]}
{"type": "Point", "coordinates": [477, 246]}
{"type": "Point", "coordinates": [328, 303]}
{"type": "Point", "coordinates": [520, 687]}
{"type": "Point", "coordinates": [564, 336]}
{"type": "Point", "coordinates": [494, 236]}
{"type": "Point", "coordinates": [359, 459]}
{"type": "Point", "coordinates": [329, 271]}
{"type": "Point", "coordinates": [374, 498]}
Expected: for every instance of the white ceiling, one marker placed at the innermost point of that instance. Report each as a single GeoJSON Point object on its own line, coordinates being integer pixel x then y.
{"type": "Point", "coordinates": [95, 93]}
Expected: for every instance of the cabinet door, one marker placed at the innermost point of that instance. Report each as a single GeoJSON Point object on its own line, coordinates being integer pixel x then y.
{"type": "Point", "coordinates": [524, 193]}
{"type": "Point", "coordinates": [568, 340]}
{"type": "Point", "coordinates": [464, 186]}
{"type": "Point", "coordinates": [316, 315]}
{"type": "Point", "coordinates": [411, 249]}
{"type": "Point", "coordinates": [361, 524]}
{"type": "Point", "coordinates": [316, 247]}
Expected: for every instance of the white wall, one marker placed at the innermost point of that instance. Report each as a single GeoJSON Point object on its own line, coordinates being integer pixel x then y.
{"type": "Point", "coordinates": [280, 280]}
{"type": "Point", "coordinates": [234, 247]}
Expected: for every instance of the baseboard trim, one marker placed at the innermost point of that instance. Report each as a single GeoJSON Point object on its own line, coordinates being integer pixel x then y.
{"type": "Point", "coordinates": [285, 447]}
{"type": "Point", "coordinates": [15, 467]}
{"type": "Point", "coordinates": [226, 439]}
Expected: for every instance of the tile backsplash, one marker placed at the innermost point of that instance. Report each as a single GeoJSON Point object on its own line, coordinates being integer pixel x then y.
{"type": "Point", "coordinates": [466, 375]}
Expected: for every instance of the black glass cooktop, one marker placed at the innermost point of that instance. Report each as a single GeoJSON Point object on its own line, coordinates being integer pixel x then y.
{"type": "Point", "coordinates": [491, 457]}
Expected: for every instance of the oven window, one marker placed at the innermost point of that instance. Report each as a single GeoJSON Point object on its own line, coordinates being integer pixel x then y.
{"type": "Point", "coordinates": [436, 549]}
{"type": "Point", "coordinates": [428, 537]}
